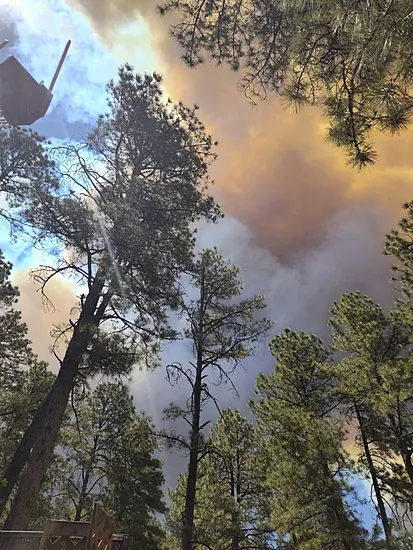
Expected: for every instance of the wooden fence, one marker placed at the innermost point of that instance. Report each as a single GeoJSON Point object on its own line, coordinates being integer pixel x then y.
{"type": "Point", "coordinates": [29, 540]}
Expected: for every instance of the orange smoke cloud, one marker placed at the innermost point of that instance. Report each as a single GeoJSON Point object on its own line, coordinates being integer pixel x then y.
{"type": "Point", "coordinates": [275, 171]}
{"type": "Point", "coordinates": [41, 319]}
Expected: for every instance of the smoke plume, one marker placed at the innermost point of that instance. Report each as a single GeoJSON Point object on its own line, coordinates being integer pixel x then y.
{"type": "Point", "coordinates": [303, 226]}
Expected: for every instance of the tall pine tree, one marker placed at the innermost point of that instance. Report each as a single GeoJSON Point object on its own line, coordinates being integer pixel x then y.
{"type": "Point", "coordinates": [309, 469]}
{"type": "Point", "coordinates": [376, 378]}
{"type": "Point", "coordinates": [223, 329]}
{"type": "Point", "coordinates": [120, 225]}
{"type": "Point", "coordinates": [231, 505]}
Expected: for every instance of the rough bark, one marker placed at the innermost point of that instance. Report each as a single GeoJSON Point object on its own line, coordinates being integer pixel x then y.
{"type": "Point", "coordinates": [46, 433]}
{"type": "Point", "coordinates": [21, 455]}
{"type": "Point", "coordinates": [42, 454]}
{"type": "Point", "coordinates": [235, 533]}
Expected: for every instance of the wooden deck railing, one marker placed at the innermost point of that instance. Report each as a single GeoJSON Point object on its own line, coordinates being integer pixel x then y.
{"type": "Point", "coordinates": [29, 540]}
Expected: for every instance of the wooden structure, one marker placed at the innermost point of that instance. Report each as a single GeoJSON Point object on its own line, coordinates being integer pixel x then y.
{"type": "Point", "coordinates": [68, 535]}
{"type": "Point", "coordinates": [23, 100]}
{"type": "Point", "coordinates": [76, 535]}
{"type": "Point", "coordinates": [30, 540]}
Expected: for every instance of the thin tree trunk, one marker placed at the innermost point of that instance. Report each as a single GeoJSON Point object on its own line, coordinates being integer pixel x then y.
{"type": "Point", "coordinates": [188, 523]}
{"type": "Point", "coordinates": [188, 520]}
{"type": "Point", "coordinates": [235, 490]}
{"type": "Point", "coordinates": [82, 497]}
{"type": "Point", "coordinates": [405, 451]}
{"type": "Point", "coordinates": [83, 491]}
{"type": "Point", "coordinates": [45, 434]}
{"type": "Point", "coordinates": [372, 471]}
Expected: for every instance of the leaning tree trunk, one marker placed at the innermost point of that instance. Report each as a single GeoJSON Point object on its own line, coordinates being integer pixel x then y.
{"type": "Point", "coordinates": [21, 455]}
{"type": "Point", "coordinates": [42, 453]}
{"type": "Point", "coordinates": [45, 433]}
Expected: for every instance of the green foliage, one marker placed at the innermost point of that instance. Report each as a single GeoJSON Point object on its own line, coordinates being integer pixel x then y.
{"type": "Point", "coordinates": [24, 381]}
{"type": "Point", "coordinates": [375, 380]}
{"type": "Point", "coordinates": [119, 224]}
{"type": "Point", "coordinates": [223, 330]}
{"type": "Point", "coordinates": [124, 207]}
{"type": "Point", "coordinates": [134, 492]}
{"type": "Point", "coordinates": [399, 245]}
{"type": "Point", "coordinates": [308, 467]}
{"type": "Point", "coordinates": [107, 455]}
{"type": "Point", "coordinates": [231, 502]}
{"type": "Point", "coordinates": [351, 59]}
{"type": "Point", "coordinates": [25, 168]}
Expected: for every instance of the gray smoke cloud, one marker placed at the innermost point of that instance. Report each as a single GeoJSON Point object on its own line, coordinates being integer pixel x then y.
{"type": "Point", "coordinates": [298, 297]}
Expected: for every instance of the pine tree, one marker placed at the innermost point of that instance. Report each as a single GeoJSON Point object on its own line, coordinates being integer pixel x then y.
{"type": "Point", "coordinates": [223, 330]}
{"type": "Point", "coordinates": [24, 381]}
{"type": "Point", "coordinates": [134, 495]}
{"type": "Point", "coordinates": [26, 168]}
{"type": "Point", "coordinates": [376, 376]}
{"type": "Point", "coordinates": [399, 245]}
{"type": "Point", "coordinates": [351, 59]}
{"type": "Point", "coordinates": [106, 455]}
{"type": "Point", "coordinates": [231, 503]}
{"type": "Point", "coordinates": [308, 467]}
{"type": "Point", "coordinates": [119, 224]}
{"type": "Point", "coordinates": [97, 424]}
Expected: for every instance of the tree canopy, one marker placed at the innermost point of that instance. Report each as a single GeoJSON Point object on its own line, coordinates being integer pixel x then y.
{"type": "Point", "coordinates": [352, 59]}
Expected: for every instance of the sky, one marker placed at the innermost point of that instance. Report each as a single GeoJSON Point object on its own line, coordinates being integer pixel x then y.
{"type": "Point", "coordinates": [303, 226]}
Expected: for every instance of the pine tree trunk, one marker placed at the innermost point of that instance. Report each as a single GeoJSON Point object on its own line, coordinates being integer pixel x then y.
{"type": "Point", "coordinates": [44, 434]}
{"type": "Point", "coordinates": [21, 455]}
{"type": "Point", "coordinates": [235, 532]}
{"type": "Point", "coordinates": [235, 493]}
{"type": "Point", "coordinates": [41, 457]}
{"type": "Point", "coordinates": [79, 507]}
{"type": "Point", "coordinates": [188, 520]}
{"type": "Point", "coordinates": [405, 451]}
{"type": "Point", "coordinates": [372, 471]}
{"type": "Point", "coordinates": [188, 523]}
